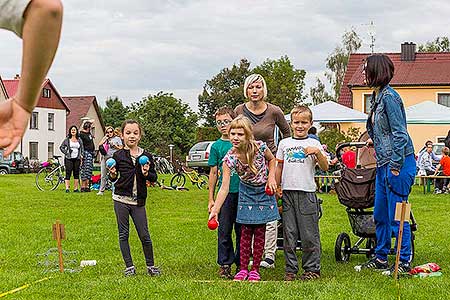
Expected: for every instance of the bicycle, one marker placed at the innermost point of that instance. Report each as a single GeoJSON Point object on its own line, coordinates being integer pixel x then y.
{"type": "Point", "coordinates": [50, 175]}
{"type": "Point", "coordinates": [179, 179]}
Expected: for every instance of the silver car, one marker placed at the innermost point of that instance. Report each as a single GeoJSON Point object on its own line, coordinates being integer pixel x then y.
{"type": "Point", "coordinates": [199, 154]}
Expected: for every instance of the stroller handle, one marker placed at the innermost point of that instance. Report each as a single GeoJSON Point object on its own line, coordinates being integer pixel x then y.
{"type": "Point", "coordinates": [348, 144]}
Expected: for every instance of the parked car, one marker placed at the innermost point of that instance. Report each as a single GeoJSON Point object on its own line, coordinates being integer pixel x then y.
{"type": "Point", "coordinates": [13, 163]}
{"type": "Point", "coordinates": [199, 154]}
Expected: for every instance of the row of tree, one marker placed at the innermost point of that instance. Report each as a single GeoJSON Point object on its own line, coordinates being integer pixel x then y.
{"type": "Point", "coordinates": [167, 120]}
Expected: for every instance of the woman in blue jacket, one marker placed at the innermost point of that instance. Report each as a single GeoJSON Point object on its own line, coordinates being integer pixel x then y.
{"type": "Point", "coordinates": [396, 166]}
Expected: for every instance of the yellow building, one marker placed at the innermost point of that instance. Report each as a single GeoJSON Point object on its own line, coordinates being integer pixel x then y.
{"type": "Point", "coordinates": [418, 77]}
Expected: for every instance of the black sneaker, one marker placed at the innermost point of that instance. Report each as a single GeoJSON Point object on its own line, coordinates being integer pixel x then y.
{"type": "Point", "coordinates": [130, 271]}
{"type": "Point", "coordinates": [403, 269]}
{"type": "Point", "coordinates": [225, 272]}
{"type": "Point", "coordinates": [153, 271]}
{"type": "Point", "coordinates": [375, 264]}
{"type": "Point", "coordinates": [67, 191]}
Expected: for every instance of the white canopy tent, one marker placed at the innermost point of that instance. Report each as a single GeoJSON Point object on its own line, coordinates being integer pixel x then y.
{"type": "Point", "coordinates": [427, 112]}
{"type": "Point", "coordinates": [332, 112]}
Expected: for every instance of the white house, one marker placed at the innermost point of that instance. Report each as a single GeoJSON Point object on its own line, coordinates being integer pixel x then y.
{"type": "Point", "coordinates": [47, 127]}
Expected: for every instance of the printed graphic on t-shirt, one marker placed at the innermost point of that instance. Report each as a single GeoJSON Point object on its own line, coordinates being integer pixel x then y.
{"type": "Point", "coordinates": [295, 155]}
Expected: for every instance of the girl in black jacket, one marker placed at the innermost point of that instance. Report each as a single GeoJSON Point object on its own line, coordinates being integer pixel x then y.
{"type": "Point", "coordinates": [130, 193]}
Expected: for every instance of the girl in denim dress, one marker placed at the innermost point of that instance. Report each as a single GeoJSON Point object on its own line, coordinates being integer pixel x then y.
{"type": "Point", "coordinates": [255, 165]}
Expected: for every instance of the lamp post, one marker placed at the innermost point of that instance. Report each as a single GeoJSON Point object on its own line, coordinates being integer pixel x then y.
{"type": "Point", "coordinates": [171, 153]}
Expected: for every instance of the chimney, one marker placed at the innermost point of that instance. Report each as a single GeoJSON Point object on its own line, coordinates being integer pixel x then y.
{"type": "Point", "coordinates": [408, 52]}
{"type": "Point", "coordinates": [17, 76]}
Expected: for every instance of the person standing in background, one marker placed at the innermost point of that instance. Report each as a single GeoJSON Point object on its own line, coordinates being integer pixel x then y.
{"type": "Point", "coordinates": [87, 164]}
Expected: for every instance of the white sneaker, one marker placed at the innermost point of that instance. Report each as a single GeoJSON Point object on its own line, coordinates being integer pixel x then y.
{"type": "Point", "coordinates": [267, 263]}
{"type": "Point", "coordinates": [100, 193]}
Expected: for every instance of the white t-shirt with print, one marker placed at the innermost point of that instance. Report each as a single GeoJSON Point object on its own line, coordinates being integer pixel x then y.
{"type": "Point", "coordinates": [298, 169]}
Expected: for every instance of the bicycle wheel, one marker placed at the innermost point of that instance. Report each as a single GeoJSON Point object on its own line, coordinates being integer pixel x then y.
{"type": "Point", "coordinates": [202, 181]}
{"type": "Point", "coordinates": [47, 180]}
{"type": "Point", "coordinates": [178, 180]}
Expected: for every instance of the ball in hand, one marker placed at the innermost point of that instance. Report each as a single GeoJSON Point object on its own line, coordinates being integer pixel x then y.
{"type": "Point", "coordinates": [269, 191]}
{"type": "Point", "coordinates": [143, 160]}
{"type": "Point", "coordinates": [110, 162]}
{"type": "Point", "coordinates": [212, 224]}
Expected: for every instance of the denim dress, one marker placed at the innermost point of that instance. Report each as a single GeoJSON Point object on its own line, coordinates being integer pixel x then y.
{"type": "Point", "coordinates": [255, 206]}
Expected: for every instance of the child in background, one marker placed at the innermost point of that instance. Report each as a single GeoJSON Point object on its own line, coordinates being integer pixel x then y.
{"type": "Point", "coordinates": [130, 194]}
{"type": "Point", "coordinates": [226, 254]}
{"type": "Point", "coordinates": [255, 165]}
{"type": "Point", "coordinates": [442, 184]}
{"type": "Point", "coordinates": [298, 155]}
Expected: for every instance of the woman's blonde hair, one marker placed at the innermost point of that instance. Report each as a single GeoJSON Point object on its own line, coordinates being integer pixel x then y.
{"type": "Point", "coordinates": [107, 128]}
{"type": "Point", "coordinates": [249, 147]}
{"type": "Point", "coordinates": [255, 78]}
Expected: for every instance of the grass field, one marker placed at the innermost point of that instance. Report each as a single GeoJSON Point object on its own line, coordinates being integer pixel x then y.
{"type": "Point", "coordinates": [186, 250]}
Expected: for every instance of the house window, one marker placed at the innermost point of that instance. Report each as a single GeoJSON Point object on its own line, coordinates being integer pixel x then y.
{"type": "Point", "coordinates": [34, 120]}
{"type": "Point", "coordinates": [367, 98]}
{"type": "Point", "coordinates": [33, 150]}
{"type": "Point", "coordinates": [51, 121]}
{"type": "Point", "coordinates": [444, 99]}
{"type": "Point", "coordinates": [50, 150]}
{"type": "Point", "coordinates": [46, 93]}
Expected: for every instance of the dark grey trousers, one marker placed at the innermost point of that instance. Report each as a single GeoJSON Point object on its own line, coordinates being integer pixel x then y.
{"type": "Point", "coordinates": [301, 221]}
{"type": "Point", "coordinates": [138, 215]}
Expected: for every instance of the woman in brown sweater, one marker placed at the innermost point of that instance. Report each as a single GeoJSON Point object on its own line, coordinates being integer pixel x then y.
{"type": "Point", "coordinates": [264, 116]}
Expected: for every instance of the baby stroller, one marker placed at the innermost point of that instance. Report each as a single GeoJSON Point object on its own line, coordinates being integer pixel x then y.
{"type": "Point", "coordinates": [356, 190]}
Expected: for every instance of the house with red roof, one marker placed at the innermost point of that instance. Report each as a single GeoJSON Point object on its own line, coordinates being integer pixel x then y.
{"type": "Point", "coordinates": [418, 77]}
{"type": "Point", "coordinates": [3, 93]}
{"type": "Point", "coordinates": [47, 127]}
{"type": "Point", "coordinates": [85, 108]}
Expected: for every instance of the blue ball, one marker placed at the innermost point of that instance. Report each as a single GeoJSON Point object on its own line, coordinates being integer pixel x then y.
{"type": "Point", "coordinates": [143, 160]}
{"type": "Point", "coordinates": [110, 162]}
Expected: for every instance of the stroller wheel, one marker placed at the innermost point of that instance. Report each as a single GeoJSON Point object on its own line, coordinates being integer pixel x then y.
{"type": "Point", "coordinates": [371, 244]}
{"type": "Point", "coordinates": [342, 248]}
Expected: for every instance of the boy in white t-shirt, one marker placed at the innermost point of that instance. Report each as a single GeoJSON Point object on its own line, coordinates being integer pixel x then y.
{"type": "Point", "coordinates": [297, 157]}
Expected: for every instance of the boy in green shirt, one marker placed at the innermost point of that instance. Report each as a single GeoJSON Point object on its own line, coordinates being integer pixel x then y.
{"type": "Point", "coordinates": [226, 254]}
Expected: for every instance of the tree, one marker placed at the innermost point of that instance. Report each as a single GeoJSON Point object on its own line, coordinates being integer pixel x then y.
{"type": "Point", "coordinates": [337, 61]}
{"type": "Point", "coordinates": [165, 120]}
{"type": "Point", "coordinates": [440, 44]}
{"type": "Point", "coordinates": [114, 112]}
{"type": "Point", "coordinates": [224, 89]}
{"type": "Point", "coordinates": [319, 94]}
{"type": "Point", "coordinates": [284, 83]}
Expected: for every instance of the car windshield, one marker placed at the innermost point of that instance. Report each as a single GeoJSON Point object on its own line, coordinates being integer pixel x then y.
{"type": "Point", "coordinates": [200, 146]}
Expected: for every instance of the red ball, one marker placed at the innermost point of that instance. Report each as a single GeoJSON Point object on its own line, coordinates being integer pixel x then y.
{"type": "Point", "coordinates": [212, 224]}
{"type": "Point", "coordinates": [269, 191]}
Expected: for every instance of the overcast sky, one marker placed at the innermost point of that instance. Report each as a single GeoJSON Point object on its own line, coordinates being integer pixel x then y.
{"type": "Point", "coordinates": [132, 48]}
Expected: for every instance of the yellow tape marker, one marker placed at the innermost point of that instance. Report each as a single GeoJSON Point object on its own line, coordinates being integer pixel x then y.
{"type": "Point", "coordinates": [22, 287]}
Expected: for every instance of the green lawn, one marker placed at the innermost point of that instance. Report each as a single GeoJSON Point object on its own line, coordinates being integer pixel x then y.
{"type": "Point", "coordinates": [186, 250]}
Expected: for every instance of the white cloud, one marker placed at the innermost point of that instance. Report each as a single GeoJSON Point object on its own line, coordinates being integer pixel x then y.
{"type": "Point", "coordinates": [115, 48]}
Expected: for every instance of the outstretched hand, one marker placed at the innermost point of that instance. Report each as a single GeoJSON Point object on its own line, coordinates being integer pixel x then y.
{"type": "Point", "coordinates": [13, 123]}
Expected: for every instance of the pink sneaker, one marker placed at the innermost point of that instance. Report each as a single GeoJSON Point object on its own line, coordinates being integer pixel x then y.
{"type": "Point", "coordinates": [241, 275]}
{"type": "Point", "coordinates": [254, 276]}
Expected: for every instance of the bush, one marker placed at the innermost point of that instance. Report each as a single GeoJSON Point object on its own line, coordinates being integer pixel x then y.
{"type": "Point", "coordinates": [207, 134]}
{"type": "Point", "coordinates": [333, 136]}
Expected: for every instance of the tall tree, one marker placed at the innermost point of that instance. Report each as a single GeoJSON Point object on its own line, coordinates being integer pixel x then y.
{"type": "Point", "coordinates": [114, 113]}
{"type": "Point", "coordinates": [165, 120]}
{"type": "Point", "coordinates": [285, 83]}
{"type": "Point", "coordinates": [440, 44]}
{"type": "Point", "coordinates": [319, 94]}
{"type": "Point", "coordinates": [224, 89]}
{"type": "Point", "coordinates": [337, 61]}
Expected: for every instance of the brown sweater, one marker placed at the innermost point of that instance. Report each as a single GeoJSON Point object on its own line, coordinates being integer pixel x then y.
{"type": "Point", "coordinates": [264, 129]}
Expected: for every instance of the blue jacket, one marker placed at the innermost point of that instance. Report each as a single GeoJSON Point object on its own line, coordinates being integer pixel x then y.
{"type": "Point", "coordinates": [388, 131]}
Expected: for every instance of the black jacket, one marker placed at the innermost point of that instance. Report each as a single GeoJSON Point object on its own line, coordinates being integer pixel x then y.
{"type": "Point", "coordinates": [126, 171]}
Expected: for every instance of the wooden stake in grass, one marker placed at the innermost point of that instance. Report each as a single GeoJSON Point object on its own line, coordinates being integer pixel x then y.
{"type": "Point", "coordinates": [58, 235]}
{"type": "Point", "coordinates": [400, 215]}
